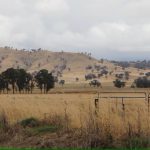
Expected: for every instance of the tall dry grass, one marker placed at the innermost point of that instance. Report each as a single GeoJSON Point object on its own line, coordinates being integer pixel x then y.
{"type": "Point", "coordinates": [109, 125]}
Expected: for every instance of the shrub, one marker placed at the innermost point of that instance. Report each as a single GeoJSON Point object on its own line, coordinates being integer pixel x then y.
{"type": "Point", "coordinates": [118, 83]}
{"type": "Point", "coordinates": [143, 82]}
{"type": "Point", "coordinates": [30, 122]}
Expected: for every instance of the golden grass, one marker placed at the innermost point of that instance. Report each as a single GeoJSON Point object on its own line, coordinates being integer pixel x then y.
{"type": "Point", "coordinates": [107, 123]}
{"type": "Point", "coordinates": [77, 105]}
{"type": "Point", "coordinates": [18, 106]}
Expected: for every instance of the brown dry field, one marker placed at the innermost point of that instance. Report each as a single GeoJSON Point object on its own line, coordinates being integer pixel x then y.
{"type": "Point", "coordinates": [78, 105]}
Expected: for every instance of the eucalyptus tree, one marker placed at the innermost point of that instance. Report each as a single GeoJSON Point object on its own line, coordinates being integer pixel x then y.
{"type": "Point", "coordinates": [45, 81]}
{"type": "Point", "coordinates": [142, 82]}
{"type": "Point", "coordinates": [23, 80]}
{"type": "Point", "coordinates": [50, 82]}
{"type": "Point", "coordinates": [2, 84]}
{"type": "Point", "coordinates": [119, 83]}
{"type": "Point", "coordinates": [10, 76]}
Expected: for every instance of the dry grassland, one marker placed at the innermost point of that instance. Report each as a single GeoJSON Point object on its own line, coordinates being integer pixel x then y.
{"type": "Point", "coordinates": [108, 125]}
{"type": "Point", "coordinates": [78, 106]}
{"type": "Point", "coordinates": [18, 107]}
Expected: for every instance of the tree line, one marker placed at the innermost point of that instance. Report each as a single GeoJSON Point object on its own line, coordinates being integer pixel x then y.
{"type": "Point", "coordinates": [137, 64]}
{"type": "Point", "coordinates": [141, 82]}
{"type": "Point", "coordinates": [18, 80]}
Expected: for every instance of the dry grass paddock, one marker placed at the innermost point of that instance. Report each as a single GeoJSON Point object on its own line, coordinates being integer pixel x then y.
{"type": "Point", "coordinates": [18, 107]}
{"type": "Point", "coordinates": [77, 105]}
{"type": "Point", "coordinates": [110, 123]}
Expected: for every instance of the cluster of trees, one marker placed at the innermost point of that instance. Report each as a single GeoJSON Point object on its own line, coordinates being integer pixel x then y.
{"type": "Point", "coordinates": [22, 81]}
{"type": "Point", "coordinates": [142, 82]}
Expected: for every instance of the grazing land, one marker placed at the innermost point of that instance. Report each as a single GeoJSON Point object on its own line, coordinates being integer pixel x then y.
{"type": "Point", "coordinates": [20, 106]}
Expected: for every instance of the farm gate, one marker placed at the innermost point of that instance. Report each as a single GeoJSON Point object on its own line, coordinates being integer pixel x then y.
{"type": "Point", "coordinates": [122, 96]}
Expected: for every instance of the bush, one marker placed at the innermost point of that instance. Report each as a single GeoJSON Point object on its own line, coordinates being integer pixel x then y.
{"type": "Point", "coordinates": [118, 83]}
{"type": "Point", "coordinates": [30, 122]}
{"type": "Point", "coordinates": [143, 82]}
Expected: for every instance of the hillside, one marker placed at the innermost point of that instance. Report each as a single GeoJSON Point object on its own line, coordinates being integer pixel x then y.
{"type": "Point", "coordinates": [65, 65]}
{"type": "Point", "coordinates": [36, 60]}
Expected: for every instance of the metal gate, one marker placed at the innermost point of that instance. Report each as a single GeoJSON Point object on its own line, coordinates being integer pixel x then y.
{"type": "Point", "coordinates": [122, 96]}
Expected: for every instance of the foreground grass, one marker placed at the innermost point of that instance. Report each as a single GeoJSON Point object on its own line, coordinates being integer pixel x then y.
{"type": "Point", "coordinates": [77, 122]}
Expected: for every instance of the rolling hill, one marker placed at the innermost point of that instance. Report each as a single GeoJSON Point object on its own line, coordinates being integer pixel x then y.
{"type": "Point", "coordinates": [69, 65]}
{"type": "Point", "coordinates": [43, 59]}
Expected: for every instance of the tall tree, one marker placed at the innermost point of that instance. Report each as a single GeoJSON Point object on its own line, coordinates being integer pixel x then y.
{"type": "Point", "coordinates": [2, 84]}
{"type": "Point", "coordinates": [44, 80]}
{"type": "Point", "coordinates": [50, 82]}
{"type": "Point", "coordinates": [23, 80]}
{"type": "Point", "coordinates": [10, 76]}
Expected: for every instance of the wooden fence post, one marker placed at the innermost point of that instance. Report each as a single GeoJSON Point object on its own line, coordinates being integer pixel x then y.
{"type": "Point", "coordinates": [123, 108]}
{"type": "Point", "coordinates": [148, 104]}
{"type": "Point", "coordinates": [96, 106]}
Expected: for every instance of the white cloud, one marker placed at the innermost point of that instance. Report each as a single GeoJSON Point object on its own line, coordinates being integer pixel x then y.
{"type": "Point", "coordinates": [52, 6]}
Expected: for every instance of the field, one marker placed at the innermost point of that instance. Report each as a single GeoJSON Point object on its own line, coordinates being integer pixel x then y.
{"type": "Point", "coordinates": [111, 118]}
{"type": "Point", "coordinates": [75, 101]}
{"type": "Point", "coordinates": [18, 107]}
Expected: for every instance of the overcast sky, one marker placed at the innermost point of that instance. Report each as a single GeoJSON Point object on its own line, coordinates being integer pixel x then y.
{"type": "Point", "coordinates": [113, 28]}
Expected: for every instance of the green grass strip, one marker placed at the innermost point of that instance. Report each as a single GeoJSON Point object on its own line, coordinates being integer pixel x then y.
{"type": "Point", "coordinates": [74, 149]}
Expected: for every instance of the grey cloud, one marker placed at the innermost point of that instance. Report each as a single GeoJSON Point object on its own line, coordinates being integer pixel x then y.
{"type": "Point", "coordinates": [99, 26]}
